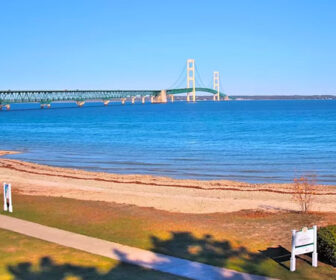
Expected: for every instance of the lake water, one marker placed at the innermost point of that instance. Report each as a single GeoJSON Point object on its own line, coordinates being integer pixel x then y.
{"type": "Point", "coordinates": [254, 141]}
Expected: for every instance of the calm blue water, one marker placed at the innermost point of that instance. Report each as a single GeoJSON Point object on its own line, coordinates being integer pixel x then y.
{"type": "Point", "coordinates": [255, 141]}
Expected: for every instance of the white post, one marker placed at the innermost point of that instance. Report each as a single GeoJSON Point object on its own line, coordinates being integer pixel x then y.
{"type": "Point", "coordinates": [10, 198]}
{"type": "Point", "coordinates": [5, 197]}
{"type": "Point", "coordinates": [292, 259]}
{"type": "Point", "coordinates": [314, 257]}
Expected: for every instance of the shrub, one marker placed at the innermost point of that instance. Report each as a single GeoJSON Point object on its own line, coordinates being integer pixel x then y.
{"type": "Point", "coordinates": [326, 243]}
{"type": "Point", "coordinates": [303, 192]}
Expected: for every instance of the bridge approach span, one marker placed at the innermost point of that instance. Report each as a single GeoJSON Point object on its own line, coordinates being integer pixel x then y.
{"type": "Point", "coordinates": [48, 96]}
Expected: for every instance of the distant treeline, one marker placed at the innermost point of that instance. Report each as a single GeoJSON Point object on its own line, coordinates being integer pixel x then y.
{"type": "Point", "coordinates": [284, 97]}
{"type": "Point", "coordinates": [267, 97]}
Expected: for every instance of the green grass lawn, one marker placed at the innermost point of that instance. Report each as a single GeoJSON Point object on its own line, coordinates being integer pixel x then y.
{"type": "Point", "coordinates": [27, 258]}
{"type": "Point", "coordinates": [225, 240]}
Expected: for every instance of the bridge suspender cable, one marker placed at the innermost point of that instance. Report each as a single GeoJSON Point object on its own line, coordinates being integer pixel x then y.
{"type": "Point", "coordinates": [199, 77]}
{"type": "Point", "coordinates": [180, 79]}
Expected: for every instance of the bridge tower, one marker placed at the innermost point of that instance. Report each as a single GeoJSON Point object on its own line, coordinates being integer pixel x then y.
{"type": "Point", "coordinates": [216, 84]}
{"type": "Point", "coordinates": [191, 79]}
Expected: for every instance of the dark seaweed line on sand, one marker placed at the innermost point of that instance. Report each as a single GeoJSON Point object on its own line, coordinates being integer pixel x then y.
{"type": "Point", "coordinates": [9, 166]}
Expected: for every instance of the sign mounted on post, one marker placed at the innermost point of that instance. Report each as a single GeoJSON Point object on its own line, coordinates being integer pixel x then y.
{"type": "Point", "coordinates": [303, 242]}
{"type": "Point", "coordinates": [7, 190]}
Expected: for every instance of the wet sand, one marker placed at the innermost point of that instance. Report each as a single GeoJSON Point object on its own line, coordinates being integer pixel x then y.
{"type": "Point", "coordinates": [3, 153]}
{"type": "Point", "coordinates": [175, 195]}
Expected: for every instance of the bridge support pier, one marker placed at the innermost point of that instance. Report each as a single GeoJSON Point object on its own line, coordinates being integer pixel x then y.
{"type": "Point", "coordinates": [143, 99]}
{"type": "Point", "coordinates": [106, 102]}
{"type": "Point", "coordinates": [80, 103]}
{"type": "Point", "coordinates": [171, 98]}
{"type": "Point", "coordinates": [133, 99]}
{"type": "Point", "coordinates": [191, 96]}
{"type": "Point", "coordinates": [45, 106]}
{"type": "Point", "coordinates": [152, 99]}
{"type": "Point", "coordinates": [161, 98]}
{"type": "Point", "coordinates": [123, 100]}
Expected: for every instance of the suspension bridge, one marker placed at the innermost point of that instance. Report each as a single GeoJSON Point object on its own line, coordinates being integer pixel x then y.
{"type": "Point", "coordinates": [46, 97]}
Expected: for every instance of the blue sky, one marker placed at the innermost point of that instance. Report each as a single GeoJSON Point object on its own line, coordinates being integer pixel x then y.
{"type": "Point", "coordinates": [259, 46]}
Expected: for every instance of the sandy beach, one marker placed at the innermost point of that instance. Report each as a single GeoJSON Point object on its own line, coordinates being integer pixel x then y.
{"type": "Point", "coordinates": [163, 193]}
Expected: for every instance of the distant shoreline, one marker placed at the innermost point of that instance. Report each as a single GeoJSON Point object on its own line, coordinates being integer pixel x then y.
{"type": "Point", "coordinates": [284, 97]}
{"type": "Point", "coordinates": [262, 97]}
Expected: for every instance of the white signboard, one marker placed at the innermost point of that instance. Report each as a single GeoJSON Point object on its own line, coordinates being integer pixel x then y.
{"type": "Point", "coordinates": [303, 242]}
{"type": "Point", "coordinates": [304, 250]}
{"type": "Point", "coordinates": [7, 191]}
{"type": "Point", "coordinates": [304, 237]}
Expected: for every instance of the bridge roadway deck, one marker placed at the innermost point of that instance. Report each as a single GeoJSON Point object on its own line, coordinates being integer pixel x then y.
{"type": "Point", "coordinates": [48, 96]}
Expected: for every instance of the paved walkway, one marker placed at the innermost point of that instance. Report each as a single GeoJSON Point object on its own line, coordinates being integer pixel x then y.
{"type": "Point", "coordinates": [143, 258]}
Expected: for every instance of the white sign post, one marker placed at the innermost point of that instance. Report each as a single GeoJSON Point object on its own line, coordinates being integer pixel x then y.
{"type": "Point", "coordinates": [7, 190]}
{"type": "Point", "coordinates": [303, 242]}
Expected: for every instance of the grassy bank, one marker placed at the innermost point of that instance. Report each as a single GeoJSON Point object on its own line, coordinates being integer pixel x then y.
{"type": "Point", "coordinates": [26, 258]}
{"type": "Point", "coordinates": [245, 241]}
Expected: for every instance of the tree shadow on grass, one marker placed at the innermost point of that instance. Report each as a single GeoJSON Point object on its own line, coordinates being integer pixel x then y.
{"type": "Point", "coordinates": [203, 249]}
{"type": "Point", "coordinates": [278, 254]}
{"type": "Point", "coordinates": [47, 269]}
{"type": "Point", "coordinates": [182, 245]}
{"type": "Point", "coordinates": [281, 255]}
{"type": "Point", "coordinates": [206, 250]}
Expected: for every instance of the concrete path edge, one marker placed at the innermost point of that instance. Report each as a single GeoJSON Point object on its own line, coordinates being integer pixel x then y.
{"type": "Point", "coordinates": [127, 254]}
